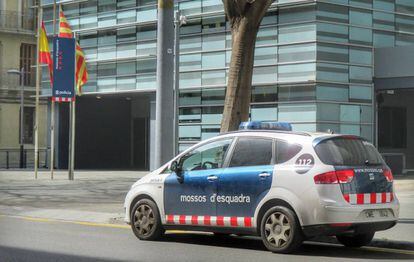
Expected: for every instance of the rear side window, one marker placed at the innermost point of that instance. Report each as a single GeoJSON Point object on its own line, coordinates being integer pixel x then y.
{"type": "Point", "coordinates": [286, 151]}
{"type": "Point", "coordinates": [252, 152]}
{"type": "Point", "coordinates": [341, 151]}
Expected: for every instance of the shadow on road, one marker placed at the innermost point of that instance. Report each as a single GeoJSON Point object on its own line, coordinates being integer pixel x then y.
{"type": "Point", "coordinates": [17, 254]}
{"type": "Point", "coordinates": [307, 249]}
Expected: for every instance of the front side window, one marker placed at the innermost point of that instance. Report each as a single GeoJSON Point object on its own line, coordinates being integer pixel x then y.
{"type": "Point", "coordinates": [252, 152]}
{"type": "Point", "coordinates": [209, 156]}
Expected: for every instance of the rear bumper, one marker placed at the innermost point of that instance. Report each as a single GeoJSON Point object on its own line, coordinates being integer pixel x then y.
{"type": "Point", "coordinates": [346, 228]}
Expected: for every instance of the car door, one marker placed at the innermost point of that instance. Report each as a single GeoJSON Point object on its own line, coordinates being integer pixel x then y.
{"type": "Point", "coordinates": [201, 168]}
{"type": "Point", "coordinates": [246, 180]}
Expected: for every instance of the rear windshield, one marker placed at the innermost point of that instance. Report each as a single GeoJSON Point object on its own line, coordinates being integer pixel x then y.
{"type": "Point", "coordinates": [341, 151]}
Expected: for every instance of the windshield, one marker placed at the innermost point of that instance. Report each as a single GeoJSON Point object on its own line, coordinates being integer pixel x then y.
{"type": "Point", "coordinates": [344, 151]}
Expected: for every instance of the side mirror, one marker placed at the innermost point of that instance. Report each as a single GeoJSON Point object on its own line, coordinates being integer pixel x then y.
{"type": "Point", "coordinates": [176, 168]}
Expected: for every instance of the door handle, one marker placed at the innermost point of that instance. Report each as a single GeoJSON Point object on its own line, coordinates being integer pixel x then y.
{"type": "Point", "coordinates": [212, 178]}
{"type": "Point", "coordinates": [264, 175]}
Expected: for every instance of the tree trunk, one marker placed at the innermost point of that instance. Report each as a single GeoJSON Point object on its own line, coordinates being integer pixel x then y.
{"type": "Point", "coordinates": [245, 17]}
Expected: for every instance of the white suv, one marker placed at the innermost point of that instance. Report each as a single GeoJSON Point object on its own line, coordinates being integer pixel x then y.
{"type": "Point", "coordinates": [281, 185]}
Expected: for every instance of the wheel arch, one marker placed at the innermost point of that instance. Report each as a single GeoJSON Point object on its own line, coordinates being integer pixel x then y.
{"type": "Point", "coordinates": [138, 198]}
{"type": "Point", "coordinates": [271, 203]}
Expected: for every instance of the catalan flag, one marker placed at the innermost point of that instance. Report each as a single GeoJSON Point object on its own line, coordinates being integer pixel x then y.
{"type": "Point", "coordinates": [44, 53]}
{"type": "Point", "coordinates": [81, 74]}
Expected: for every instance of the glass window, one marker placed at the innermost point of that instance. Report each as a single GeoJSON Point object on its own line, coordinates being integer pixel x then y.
{"type": "Point", "coordinates": [190, 115]}
{"type": "Point", "coordinates": [264, 94]}
{"type": "Point", "coordinates": [121, 4]}
{"type": "Point", "coordinates": [126, 51]}
{"type": "Point", "coordinates": [125, 83]}
{"type": "Point", "coordinates": [347, 152]}
{"type": "Point", "coordinates": [328, 112]}
{"type": "Point", "coordinates": [360, 17]}
{"type": "Point", "coordinates": [213, 60]}
{"type": "Point", "coordinates": [190, 44]}
{"type": "Point", "coordinates": [263, 113]}
{"type": "Point", "coordinates": [209, 131]}
{"type": "Point", "coordinates": [147, 81]}
{"type": "Point", "coordinates": [146, 32]}
{"type": "Point", "coordinates": [88, 40]}
{"type": "Point", "coordinates": [270, 18]}
{"type": "Point", "coordinates": [190, 7]}
{"type": "Point", "coordinates": [361, 3]}
{"type": "Point", "coordinates": [296, 33]}
{"type": "Point", "coordinates": [333, 13]}
{"type": "Point", "coordinates": [405, 6]}
{"type": "Point", "coordinates": [213, 24]}
{"type": "Point", "coordinates": [360, 35]}
{"type": "Point", "coordinates": [147, 49]}
{"type": "Point", "coordinates": [146, 66]}
{"type": "Point", "coordinates": [404, 39]}
{"type": "Point", "coordinates": [350, 113]}
{"type": "Point", "coordinates": [190, 62]}
{"type": "Point", "coordinates": [212, 5]}
{"type": "Point", "coordinates": [297, 93]}
{"type": "Point", "coordinates": [332, 32]}
{"type": "Point", "coordinates": [332, 72]}
{"type": "Point", "coordinates": [213, 42]}
{"type": "Point", "coordinates": [297, 112]}
{"type": "Point", "coordinates": [107, 84]}
{"type": "Point", "coordinates": [334, 53]}
{"type": "Point", "coordinates": [88, 21]}
{"type": "Point", "coordinates": [297, 72]}
{"type": "Point", "coordinates": [192, 26]}
{"type": "Point", "coordinates": [265, 55]}
{"type": "Point", "coordinates": [209, 156]}
{"type": "Point", "coordinates": [190, 79]}
{"type": "Point", "coordinates": [295, 53]}
{"type": "Point", "coordinates": [212, 96]}
{"type": "Point", "coordinates": [359, 55]}
{"type": "Point", "coordinates": [128, 16]}
{"type": "Point", "coordinates": [107, 69]}
{"type": "Point", "coordinates": [298, 14]}
{"type": "Point", "coordinates": [332, 92]}
{"type": "Point", "coordinates": [359, 74]}
{"type": "Point", "coordinates": [126, 69]}
{"type": "Point", "coordinates": [404, 23]}
{"type": "Point", "coordinates": [285, 151]}
{"type": "Point", "coordinates": [106, 38]}
{"type": "Point", "coordinates": [126, 34]}
{"type": "Point", "coordinates": [252, 152]}
{"type": "Point", "coordinates": [384, 39]}
{"type": "Point", "coordinates": [89, 7]}
{"type": "Point", "coordinates": [190, 97]}
{"type": "Point", "coordinates": [387, 5]}
{"type": "Point", "coordinates": [384, 20]}
{"type": "Point", "coordinates": [212, 115]}
{"type": "Point", "coordinates": [264, 74]}
{"type": "Point", "coordinates": [146, 14]}
{"type": "Point", "coordinates": [266, 36]}
{"type": "Point", "coordinates": [106, 5]}
{"type": "Point", "coordinates": [216, 77]}
{"type": "Point", "coordinates": [360, 93]}
{"type": "Point", "coordinates": [188, 132]}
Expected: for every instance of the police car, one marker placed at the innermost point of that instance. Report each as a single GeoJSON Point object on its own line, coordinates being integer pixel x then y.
{"type": "Point", "coordinates": [269, 181]}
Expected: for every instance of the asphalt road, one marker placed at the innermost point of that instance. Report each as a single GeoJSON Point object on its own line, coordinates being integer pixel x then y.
{"type": "Point", "coordinates": [26, 239]}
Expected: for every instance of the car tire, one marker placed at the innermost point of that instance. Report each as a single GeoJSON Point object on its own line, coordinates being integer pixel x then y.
{"type": "Point", "coordinates": [146, 221]}
{"type": "Point", "coordinates": [358, 240]}
{"type": "Point", "coordinates": [280, 230]}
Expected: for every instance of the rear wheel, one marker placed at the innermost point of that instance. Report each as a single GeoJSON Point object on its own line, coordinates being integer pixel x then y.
{"type": "Point", "coordinates": [280, 230]}
{"type": "Point", "coordinates": [146, 221]}
{"type": "Point", "coordinates": [358, 240]}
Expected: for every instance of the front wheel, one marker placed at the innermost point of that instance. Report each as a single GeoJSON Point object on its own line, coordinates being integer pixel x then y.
{"type": "Point", "coordinates": [280, 230]}
{"type": "Point", "coordinates": [146, 221]}
{"type": "Point", "coordinates": [356, 240]}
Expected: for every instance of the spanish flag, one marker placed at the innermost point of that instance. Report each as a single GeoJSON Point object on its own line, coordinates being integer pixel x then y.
{"type": "Point", "coordinates": [44, 53]}
{"type": "Point", "coordinates": [81, 74]}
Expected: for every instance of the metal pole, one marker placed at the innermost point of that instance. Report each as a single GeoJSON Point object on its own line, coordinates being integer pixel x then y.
{"type": "Point", "coordinates": [38, 76]}
{"type": "Point", "coordinates": [21, 118]}
{"type": "Point", "coordinates": [164, 120]}
{"type": "Point", "coordinates": [177, 24]}
{"type": "Point", "coordinates": [52, 110]}
{"type": "Point", "coordinates": [72, 140]}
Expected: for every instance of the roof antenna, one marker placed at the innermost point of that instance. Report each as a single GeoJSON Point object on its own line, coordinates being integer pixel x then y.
{"type": "Point", "coordinates": [330, 131]}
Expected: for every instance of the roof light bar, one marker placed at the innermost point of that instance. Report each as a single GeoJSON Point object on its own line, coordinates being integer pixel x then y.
{"type": "Point", "coordinates": [259, 125]}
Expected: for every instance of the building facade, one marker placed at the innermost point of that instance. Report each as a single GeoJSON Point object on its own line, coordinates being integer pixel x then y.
{"type": "Point", "coordinates": [314, 67]}
{"type": "Point", "coordinates": [18, 50]}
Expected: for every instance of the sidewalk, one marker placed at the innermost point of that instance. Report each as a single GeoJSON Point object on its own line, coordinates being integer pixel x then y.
{"type": "Point", "coordinates": [94, 196]}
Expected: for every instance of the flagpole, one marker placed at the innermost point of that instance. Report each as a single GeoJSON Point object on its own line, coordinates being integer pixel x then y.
{"type": "Point", "coordinates": [52, 112]}
{"type": "Point", "coordinates": [36, 127]}
{"type": "Point", "coordinates": [72, 123]}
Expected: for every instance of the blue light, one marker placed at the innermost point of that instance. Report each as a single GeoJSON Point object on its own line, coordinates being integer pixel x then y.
{"type": "Point", "coordinates": [259, 125]}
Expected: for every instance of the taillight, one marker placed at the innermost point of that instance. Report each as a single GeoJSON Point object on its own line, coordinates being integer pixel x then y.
{"type": "Point", "coordinates": [388, 175]}
{"type": "Point", "coordinates": [335, 177]}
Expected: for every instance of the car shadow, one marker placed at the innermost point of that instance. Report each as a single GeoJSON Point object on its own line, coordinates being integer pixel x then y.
{"type": "Point", "coordinates": [309, 248]}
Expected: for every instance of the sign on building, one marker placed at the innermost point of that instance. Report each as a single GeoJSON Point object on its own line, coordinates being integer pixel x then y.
{"type": "Point", "coordinates": [63, 69]}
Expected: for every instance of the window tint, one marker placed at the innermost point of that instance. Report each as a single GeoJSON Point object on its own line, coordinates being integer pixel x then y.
{"type": "Point", "coordinates": [208, 156]}
{"type": "Point", "coordinates": [252, 152]}
{"type": "Point", "coordinates": [286, 151]}
{"type": "Point", "coordinates": [348, 152]}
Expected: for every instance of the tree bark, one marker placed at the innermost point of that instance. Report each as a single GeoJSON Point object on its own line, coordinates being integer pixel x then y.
{"type": "Point", "coordinates": [245, 17]}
